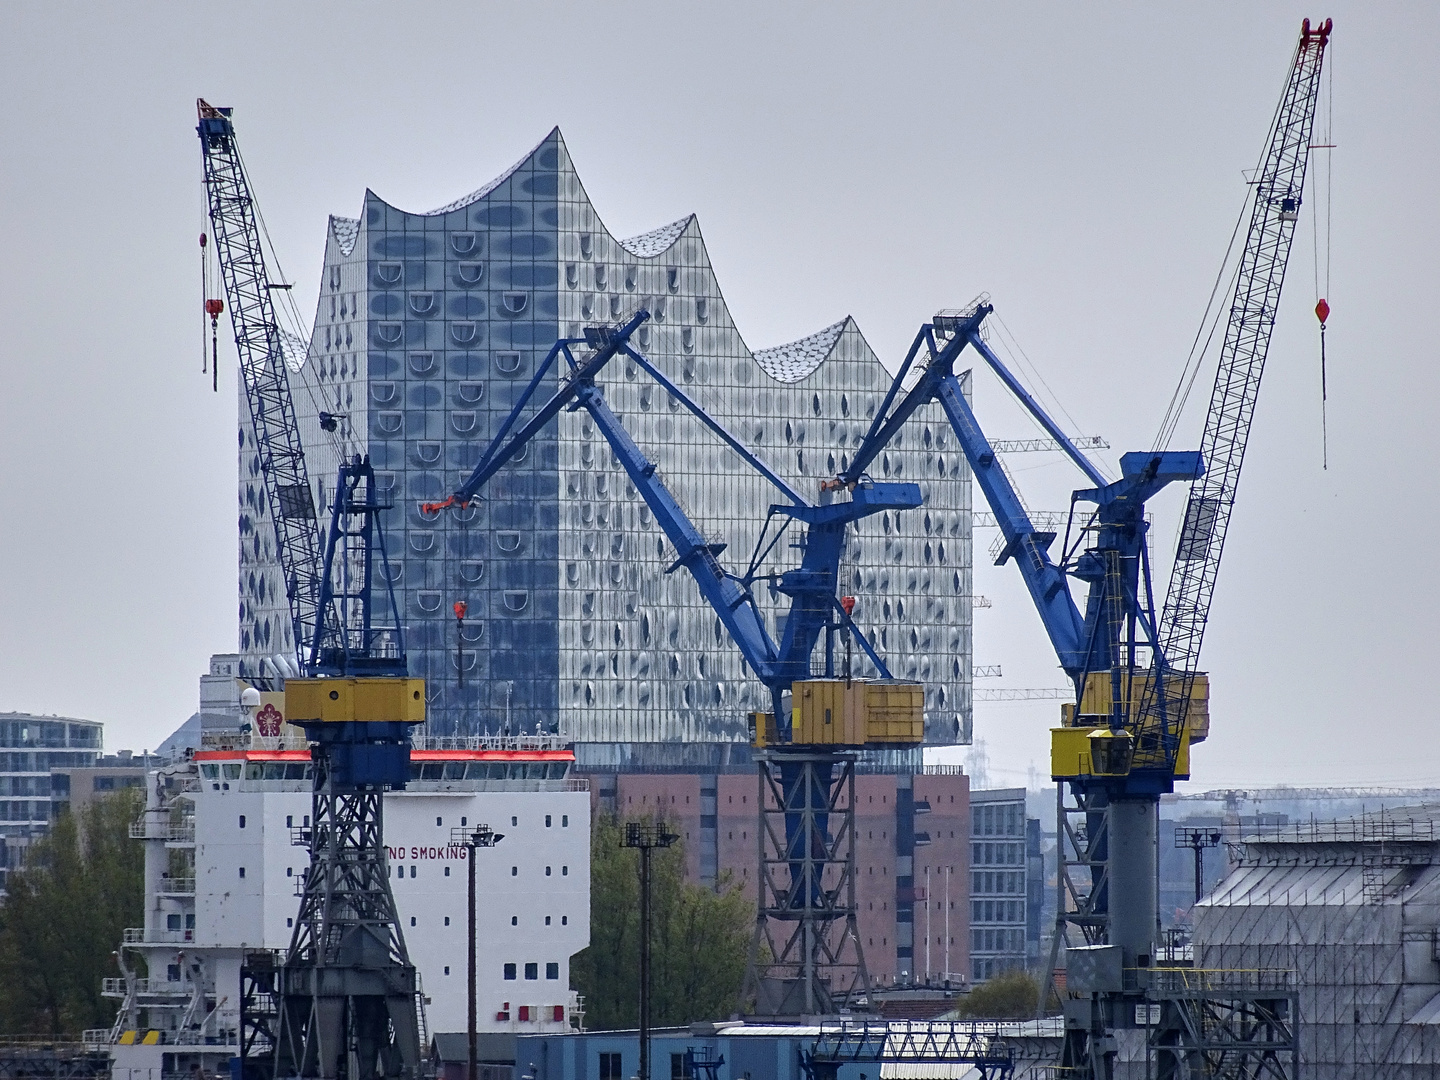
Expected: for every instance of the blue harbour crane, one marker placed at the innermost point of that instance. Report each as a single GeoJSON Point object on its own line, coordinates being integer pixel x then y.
{"type": "Point", "coordinates": [345, 1001]}
{"type": "Point", "coordinates": [807, 956]}
{"type": "Point", "coordinates": [1140, 701]}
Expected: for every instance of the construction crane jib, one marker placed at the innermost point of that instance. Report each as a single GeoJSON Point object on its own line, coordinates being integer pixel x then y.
{"type": "Point", "coordinates": [260, 342]}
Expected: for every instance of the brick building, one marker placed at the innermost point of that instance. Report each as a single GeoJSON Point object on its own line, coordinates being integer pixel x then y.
{"type": "Point", "coordinates": [909, 830]}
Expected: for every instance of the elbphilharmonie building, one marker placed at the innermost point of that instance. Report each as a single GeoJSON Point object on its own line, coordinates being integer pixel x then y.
{"type": "Point", "coordinates": [428, 327]}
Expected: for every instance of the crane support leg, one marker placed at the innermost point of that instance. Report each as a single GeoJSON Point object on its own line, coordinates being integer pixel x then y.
{"type": "Point", "coordinates": [1131, 868]}
{"type": "Point", "coordinates": [806, 957]}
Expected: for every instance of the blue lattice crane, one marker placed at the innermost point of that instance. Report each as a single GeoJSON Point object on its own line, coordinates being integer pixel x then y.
{"type": "Point", "coordinates": [807, 956]}
{"type": "Point", "coordinates": [1140, 699]}
{"type": "Point", "coordinates": [345, 1001]}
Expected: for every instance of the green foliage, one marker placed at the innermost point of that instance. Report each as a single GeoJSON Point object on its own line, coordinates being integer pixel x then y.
{"type": "Point", "coordinates": [700, 945]}
{"type": "Point", "coordinates": [63, 917]}
{"type": "Point", "coordinates": [1010, 995]}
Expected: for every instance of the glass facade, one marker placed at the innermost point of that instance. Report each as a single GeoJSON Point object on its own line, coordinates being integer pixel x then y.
{"type": "Point", "coordinates": [30, 748]}
{"type": "Point", "coordinates": [429, 326]}
{"type": "Point", "coordinates": [1000, 919]}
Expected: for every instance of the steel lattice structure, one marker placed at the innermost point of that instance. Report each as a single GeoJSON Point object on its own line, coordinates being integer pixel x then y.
{"type": "Point", "coordinates": [806, 950]}
{"type": "Point", "coordinates": [1278, 188]}
{"type": "Point", "coordinates": [348, 994]}
{"type": "Point", "coordinates": [260, 343]}
{"type": "Point", "coordinates": [917, 1043]}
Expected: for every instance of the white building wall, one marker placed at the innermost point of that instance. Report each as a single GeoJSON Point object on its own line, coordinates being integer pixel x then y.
{"type": "Point", "coordinates": [533, 888]}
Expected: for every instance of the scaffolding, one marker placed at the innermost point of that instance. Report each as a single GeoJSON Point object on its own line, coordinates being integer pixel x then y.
{"type": "Point", "coordinates": [1352, 909]}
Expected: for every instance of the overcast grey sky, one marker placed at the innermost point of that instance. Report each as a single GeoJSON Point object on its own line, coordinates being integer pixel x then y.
{"type": "Point", "coordinates": [1082, 164]}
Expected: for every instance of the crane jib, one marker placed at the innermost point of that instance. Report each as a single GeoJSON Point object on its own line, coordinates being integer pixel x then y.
{"type": "Point", "coordinates": [265, 379]}
{"type": "Point", "coordinates": [1258, 284]}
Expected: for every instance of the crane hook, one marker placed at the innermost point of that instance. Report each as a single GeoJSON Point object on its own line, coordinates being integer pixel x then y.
{"type": "Point", "coordinates": [1322, 312]}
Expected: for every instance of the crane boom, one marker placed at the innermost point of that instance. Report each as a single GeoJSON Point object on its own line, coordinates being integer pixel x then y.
{"type": "Point", "coordinates": [260, 343]}
{"type": "Point", "coordinates": [1278, 188]}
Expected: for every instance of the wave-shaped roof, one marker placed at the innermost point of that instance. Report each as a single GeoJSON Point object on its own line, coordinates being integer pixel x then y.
{"type": "Point", "coordinates": [793, 362]}
{"type": "Point", "coordinates": [788, 363]}
{"type": "Point", "coordinates": [649, 244]}
{"type": "Point", "coordinates": [346, 231]}
{"type": "Point", "coordinates": [480, 193]}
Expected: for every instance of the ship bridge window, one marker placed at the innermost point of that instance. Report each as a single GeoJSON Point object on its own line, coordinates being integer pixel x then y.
{"type": "Point", "coordinates": [210, 772]}
{"type": "Point", "coordinates": [232, 772]}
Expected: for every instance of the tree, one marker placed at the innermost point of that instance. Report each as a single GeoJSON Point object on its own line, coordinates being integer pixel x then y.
{"type": "Point", "coordinates": [64, 915]}
{"type": "Point", "coordinates": [1011, 995]}
{"type": "Point", "coordinates": [701, 938]}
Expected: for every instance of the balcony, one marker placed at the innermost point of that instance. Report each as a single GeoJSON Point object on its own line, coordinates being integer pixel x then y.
{"type": "Point", "coordinates": [144, 987]}
{"type": "Point", "coordinates": [140, 935]}
{"type": "Point", "coordinates": [922, 806]}
{"type": "Point", "coordinates": [148, 828]}
{"type": "Point", "coordinates": [176, 886]}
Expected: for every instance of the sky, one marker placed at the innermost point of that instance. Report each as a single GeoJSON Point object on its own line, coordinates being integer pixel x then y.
{"type": "Point", "coordinates": [1082, 164]}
